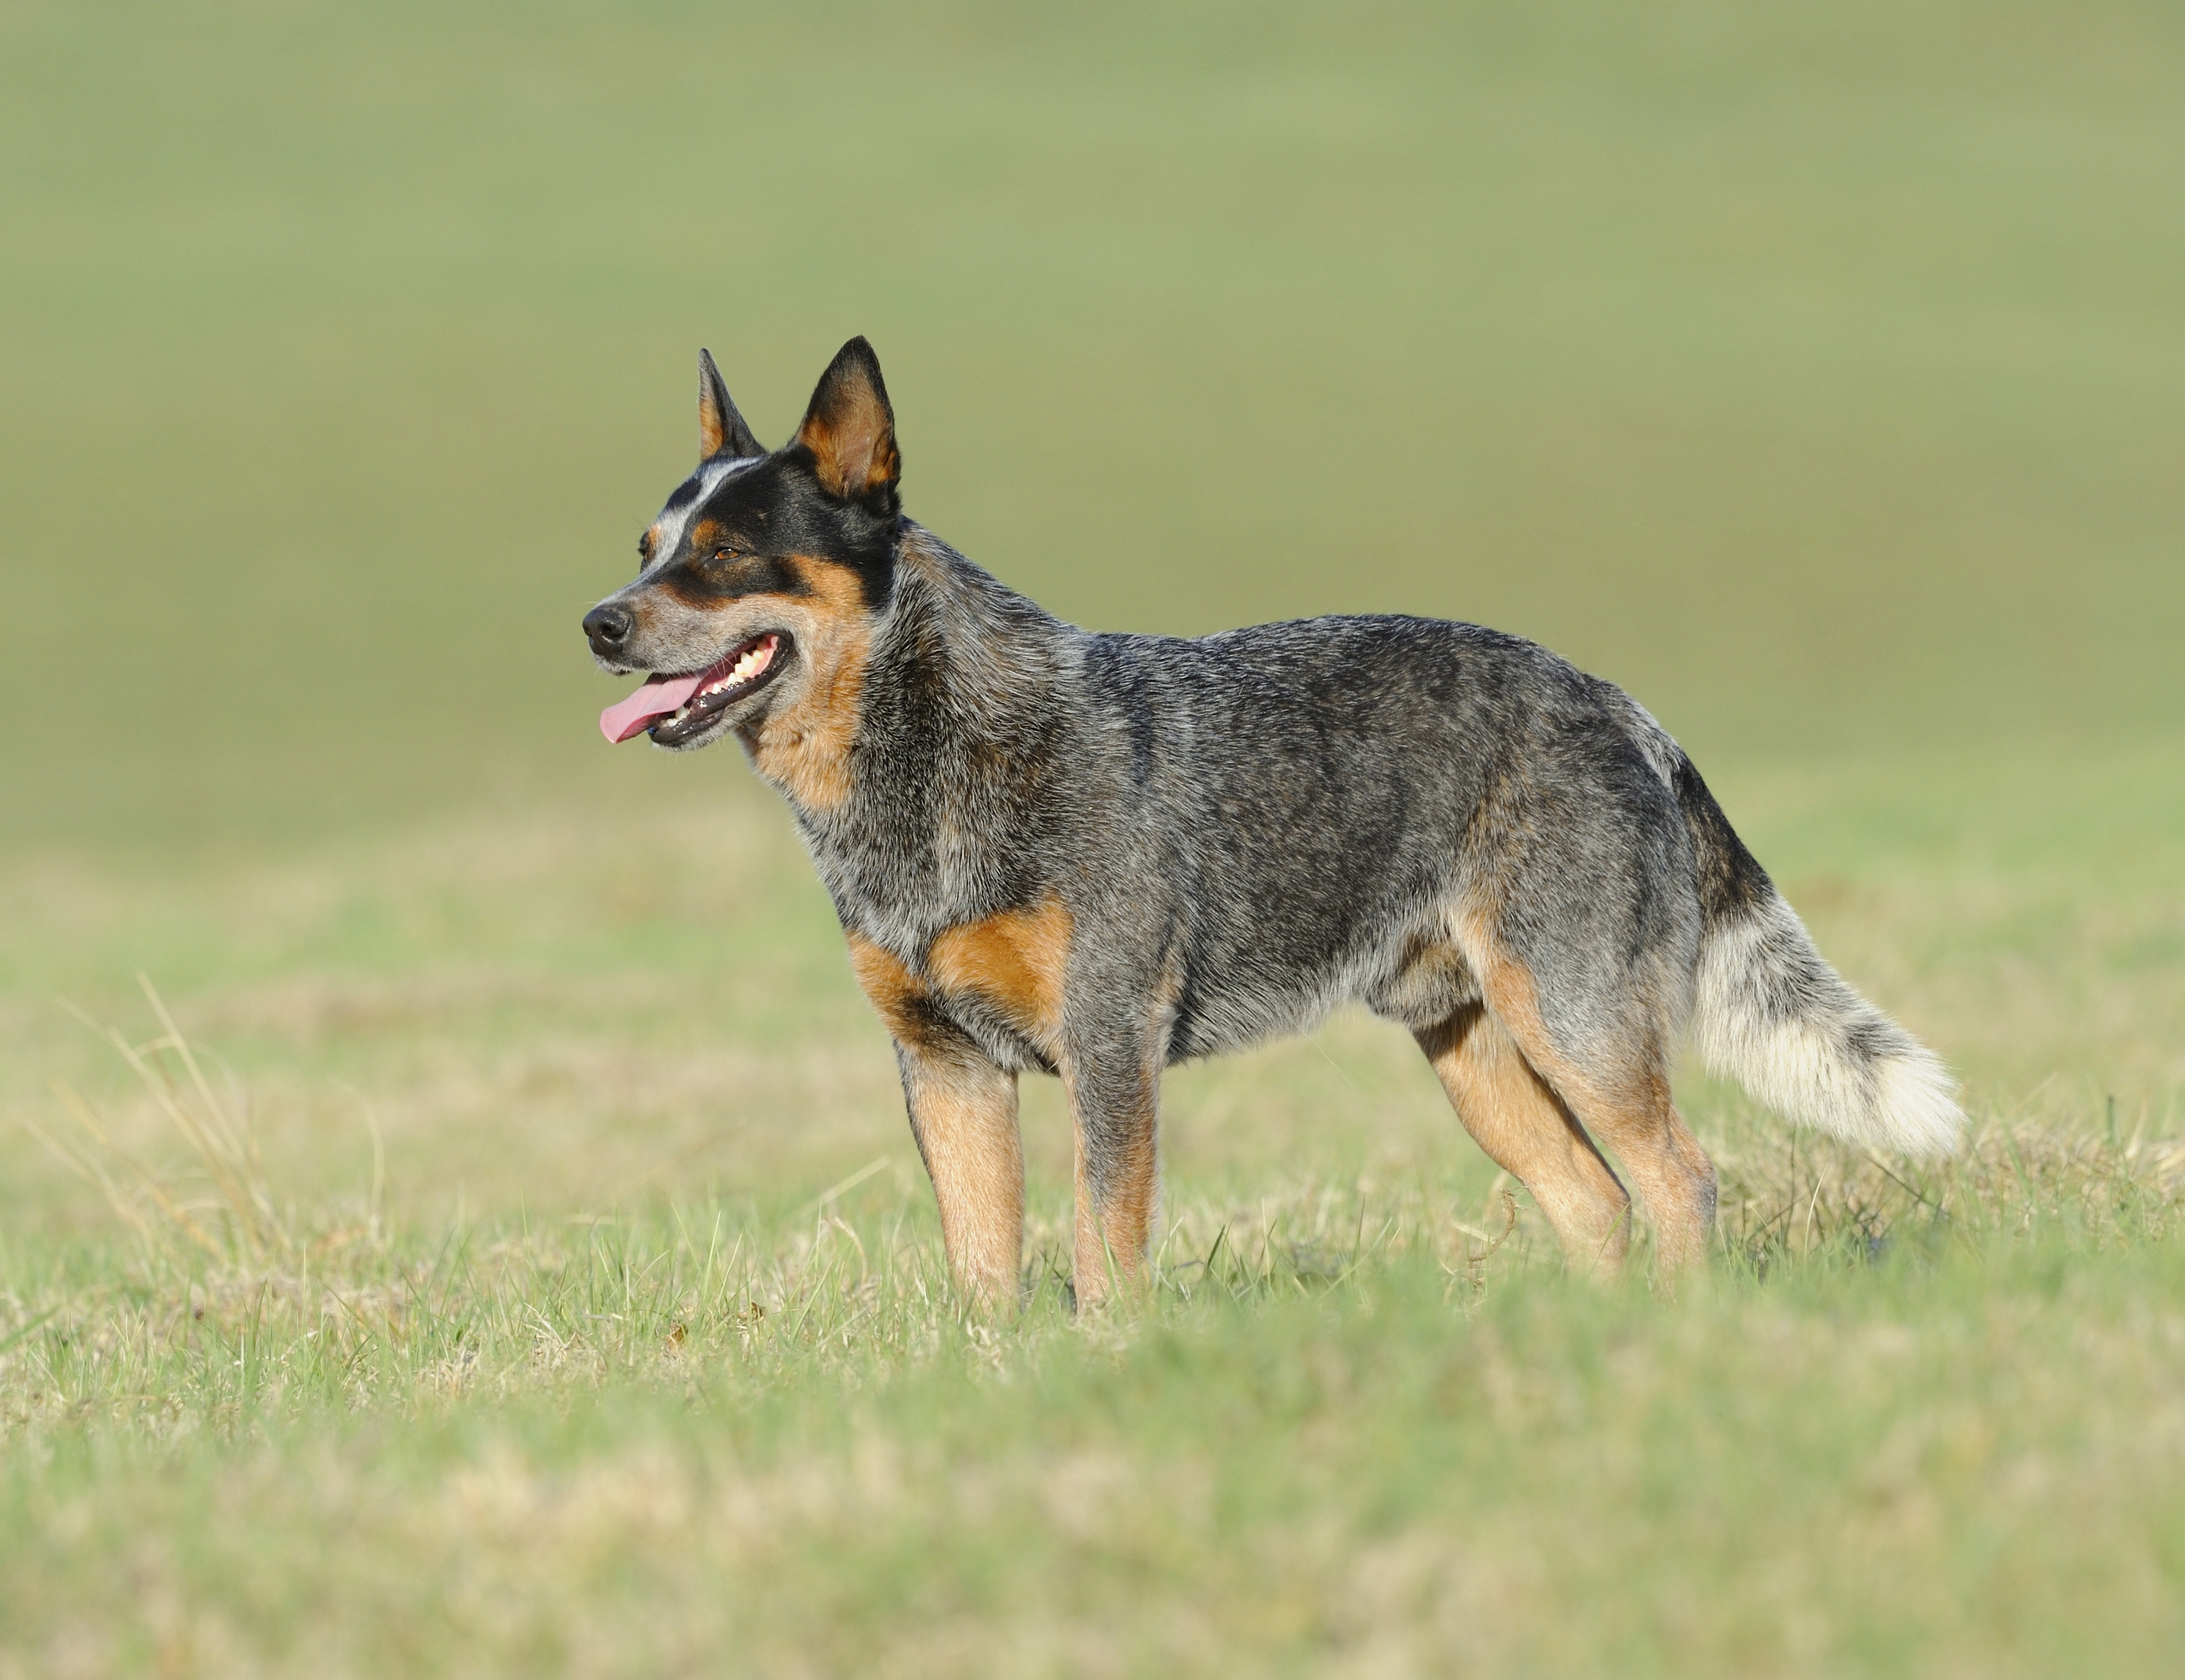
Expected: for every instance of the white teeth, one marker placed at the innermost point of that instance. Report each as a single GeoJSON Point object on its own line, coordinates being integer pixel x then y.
{"type": "Point", "coordinates": [754, 661]}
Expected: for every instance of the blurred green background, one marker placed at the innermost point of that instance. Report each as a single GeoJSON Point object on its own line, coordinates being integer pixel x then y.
{"type": "Point", "coordinates": [1817, 373]}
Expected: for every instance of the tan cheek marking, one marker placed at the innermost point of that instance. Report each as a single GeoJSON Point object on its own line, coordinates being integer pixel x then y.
{"type": "Point", "coordinates": [1016, 960]}
{"type": "Point", "coordinates": [805, 747]}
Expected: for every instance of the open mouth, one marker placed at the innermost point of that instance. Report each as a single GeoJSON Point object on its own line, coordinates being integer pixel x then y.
{"type": "Point", "coordinates": [674, 709]}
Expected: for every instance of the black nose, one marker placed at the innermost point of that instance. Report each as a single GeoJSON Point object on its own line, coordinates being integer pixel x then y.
{"type": "Point", "coordinates": [608, 629]}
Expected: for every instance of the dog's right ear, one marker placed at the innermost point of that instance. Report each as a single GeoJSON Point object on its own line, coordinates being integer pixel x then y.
{"type": "Point", "coordinates": [721, 434]}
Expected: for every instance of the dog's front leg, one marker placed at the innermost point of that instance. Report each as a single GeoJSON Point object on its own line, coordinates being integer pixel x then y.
{"type": "Point", "coordinates": [1115, 1102]}
{"type": "Point", "coordinates": [964, 1115]}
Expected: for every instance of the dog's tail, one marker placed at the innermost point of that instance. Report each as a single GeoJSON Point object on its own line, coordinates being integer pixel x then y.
{"type": "Point", "coordinates": [1771, 1014]}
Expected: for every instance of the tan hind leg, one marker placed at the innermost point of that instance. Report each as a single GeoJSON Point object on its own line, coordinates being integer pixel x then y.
{"type": "Point", "coordinates": [1668, 1168]}
{"type": "Point", "coordinates": [1620, 1093]}
{"type": "Point", "coordinates": [1527, 1131]}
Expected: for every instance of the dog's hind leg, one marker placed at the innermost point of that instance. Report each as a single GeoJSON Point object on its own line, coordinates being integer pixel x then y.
{"type": "Point", "coordinates": [1527, 1131]}
{"type": "Point", "coordinates": [1614, 1078]}
{"type": "Point", "coordinates": [1634, 1116]}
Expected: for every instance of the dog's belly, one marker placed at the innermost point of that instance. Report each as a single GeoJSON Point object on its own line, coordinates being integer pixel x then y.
{"type": "Point", "coordinates": [1416, 977]}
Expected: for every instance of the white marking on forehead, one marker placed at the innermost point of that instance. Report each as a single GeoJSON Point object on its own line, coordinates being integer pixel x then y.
{"type": "Point", "coordinates": [667, 530]}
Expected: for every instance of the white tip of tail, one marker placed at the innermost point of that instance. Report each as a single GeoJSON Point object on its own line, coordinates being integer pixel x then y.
{"type": "Point", "coordinates": [1920, 1104]}
{"type": "Point", "coordinates": [1771, 1014]}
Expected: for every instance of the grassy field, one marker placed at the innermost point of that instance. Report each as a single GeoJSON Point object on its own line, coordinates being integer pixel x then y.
{"type": "Point", "coordinates": [581, 1310]}
{"type": "Point", "coordinates": [542, 1280]}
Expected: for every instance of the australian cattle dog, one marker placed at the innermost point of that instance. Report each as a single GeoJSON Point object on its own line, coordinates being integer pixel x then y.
{"type": "Point", "coordinates": [1093, 855]}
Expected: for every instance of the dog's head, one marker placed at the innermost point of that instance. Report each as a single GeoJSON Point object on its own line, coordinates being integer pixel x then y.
{"type": "Point", "coordinates": [761, 576]}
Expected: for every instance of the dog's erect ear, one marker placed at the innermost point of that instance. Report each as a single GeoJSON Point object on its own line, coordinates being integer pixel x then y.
{"type": "Point", "coordinates": [850, 430]}
{"type": "Point", "coordinates": [721, 434]}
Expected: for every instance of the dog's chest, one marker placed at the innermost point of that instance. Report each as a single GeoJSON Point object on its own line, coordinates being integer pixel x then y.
{"type": "Point", "coordinates": [997, 977]}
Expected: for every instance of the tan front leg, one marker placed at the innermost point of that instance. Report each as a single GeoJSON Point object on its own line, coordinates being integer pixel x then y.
{"type": "Point", "coordinates": [964, 1114]}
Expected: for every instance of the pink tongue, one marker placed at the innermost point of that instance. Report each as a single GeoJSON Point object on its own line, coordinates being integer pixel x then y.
{"type": "Point", "coordinates": [662, 694]}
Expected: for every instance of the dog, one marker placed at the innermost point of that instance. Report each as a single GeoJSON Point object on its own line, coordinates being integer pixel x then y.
{"type": "Point", "coordinates": [1095, 855]}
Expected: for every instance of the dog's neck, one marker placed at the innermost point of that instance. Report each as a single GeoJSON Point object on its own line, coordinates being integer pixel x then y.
{"type": "Point", "coordinates": [952, 628]}
{"type": "Point", "coordinates": [967, 698]}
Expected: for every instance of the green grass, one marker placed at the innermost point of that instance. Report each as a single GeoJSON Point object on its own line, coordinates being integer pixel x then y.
{"type": "Point", "coordinates": [1364, 1416]}
{"type": "Point", "coordinates": [572, 1301]}
{"type": "Point", "coordinates": [1899, 1427]}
